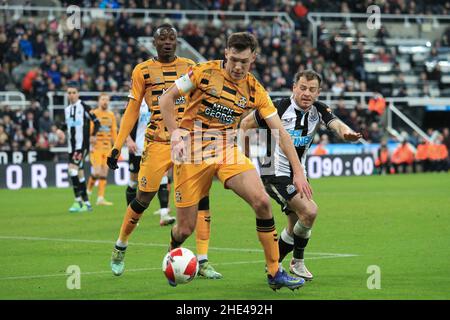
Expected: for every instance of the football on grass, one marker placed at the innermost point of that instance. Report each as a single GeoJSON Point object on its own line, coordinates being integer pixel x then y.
{"type": "Point", "coordinates": [180, 266]}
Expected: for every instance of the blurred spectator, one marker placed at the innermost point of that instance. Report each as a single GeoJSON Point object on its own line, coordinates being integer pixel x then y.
{"type": "Point", "coordinates": [383, 161]}
{"type": "Point", "coordinates": [45, 123]}
{"type": "Point", "coordinates": [375, 133]}
{"type": "Point", "coordinates": [422, 155]}
{"type": "Point", "coordinates": [381, 35]}
{"type": "Point", "coordinates": [438, 154]}
{"type": "Point", "coordinates": [26, 46]}
{"type": "Point", "coordinates": [4, 139]}
{"type": "Point", "coordinates": [321, 146]}
{"type": "Point", "coordinates": [27, 82]}
{"type": "Point", "coordinates": [39, 47]}
{"type": "Point", "coordinates": [403, 157]}
{"type": "Point", "coordinates": [377, 106]}
{"type": "Point", "coordinates": [4, 79]}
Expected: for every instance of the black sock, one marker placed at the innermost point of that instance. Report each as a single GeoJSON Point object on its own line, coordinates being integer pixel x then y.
{"type": "Point", "coordinates": [75, 185]}
{"type": "Point", "coordinates": [130, 194]}
{"type": "Point", "coordinates": [163, 196]}
{"type": "Point", "coordinates": [299, 246]}
{"type": "Point", "coordinates": [83, 192]}
{"type": "Point", "coordinates": [284, 248]}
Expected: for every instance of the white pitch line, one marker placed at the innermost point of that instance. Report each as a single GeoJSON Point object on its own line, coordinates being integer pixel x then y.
{"type": "Point", "coordinates": [156, 245]}
{"type": "Point", "coordinates": [38, 276]}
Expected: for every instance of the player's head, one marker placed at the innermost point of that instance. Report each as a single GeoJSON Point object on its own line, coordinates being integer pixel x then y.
{"type": "Point", "coordinates": [103, 101]}
{"type": "Point", "coordinates": [306, 88]}
{"type": "Point", "coordinates": [72, 93]}
{"type": "Point", "coordinates": [165, 42]}
{"type": "Point", "coordinates": [240, 53]}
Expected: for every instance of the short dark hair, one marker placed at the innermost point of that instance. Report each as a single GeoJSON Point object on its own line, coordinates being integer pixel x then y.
{"type": "Point", "coordinates": [242, 41]}
{"type": "Point", "coordinates": [309, 75]}
{"type": "Point", "coordinates": [162, 27]}
{"type": "Point", "coordinates": [74, 85]}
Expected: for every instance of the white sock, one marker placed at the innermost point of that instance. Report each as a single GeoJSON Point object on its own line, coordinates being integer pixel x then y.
{"type": "Point", "coordinates": [164, 212]}
{"type": "Point", "coordinates": [201, 257]}
{"type": "Point", "coordinates": [121, 244]}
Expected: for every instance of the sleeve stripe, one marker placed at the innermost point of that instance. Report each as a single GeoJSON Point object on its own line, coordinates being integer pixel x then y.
{"type": "Point", "coordinates": [271, 115]}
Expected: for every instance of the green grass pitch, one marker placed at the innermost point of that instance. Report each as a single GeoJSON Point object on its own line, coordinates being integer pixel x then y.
{"type": "Point", "coordinates": [400, 224]}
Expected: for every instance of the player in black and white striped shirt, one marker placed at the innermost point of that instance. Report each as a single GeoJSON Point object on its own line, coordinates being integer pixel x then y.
{"type": "Point", "coordinates": [301, 116]}
{"type": "Point", "coordinates": [77, 122]}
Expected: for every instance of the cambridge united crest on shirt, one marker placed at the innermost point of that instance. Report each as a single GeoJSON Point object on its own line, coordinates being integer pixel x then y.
{"type": "Point", "coordinates": [242, 102]}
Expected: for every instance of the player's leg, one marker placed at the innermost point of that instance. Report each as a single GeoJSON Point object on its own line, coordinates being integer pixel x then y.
{"type": "Point", "coordinates": [134, 164]}
{"type": "Point", "coordinates": [301, 231]}
{"type": "Point", "coordinates": [103, 176]}
{"type": "Point", "coordinates": [185, 226]}
{"type": "Point", "coordinates": [93, 176]}
{"type": "Point", "coordinates": [286, 239]}
{"type": "Point", "coordinates": [249, 187]}
{"type": "Point", "coordinates": [83, 190]}
{"type": "Point", "coordinates": [149, 178]}
{"type": "Point", "coordinates": [163, 197]}
{"type": "Point", "coordinates": [203, 231]}
{"type": "Point", "coordinates": [73, 174]}
{"type": "Point", "coordinates": [130, 220]}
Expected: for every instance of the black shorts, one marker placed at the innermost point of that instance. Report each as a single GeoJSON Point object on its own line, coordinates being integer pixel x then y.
{"type": "Point", "coordinates": [134, 163]}
{"type": "Point", "coordinates": [77, 157]}
{"type": "Point", "coordinates": [281, 189]}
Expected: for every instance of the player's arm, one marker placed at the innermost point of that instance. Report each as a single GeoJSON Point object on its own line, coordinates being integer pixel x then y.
{"type": "Point", "coordinates": [131, 145]}
{"type": "Point", "coordinates": [335, 124]}
{"type": "Point", "coordinates": [286, 145]}
{"type": "Point", "coordinates": [167, 105]}
{"type": "Point", "coordinates": [344, 131]}
{"type": "Point", "coordinates": [129, 117]}
{"type": "Point", "coordinates": [181, 87]}
{"type": "Point", "coordinates": [91, 115]}
{"type": "Point", "coordinates": [113, 128]}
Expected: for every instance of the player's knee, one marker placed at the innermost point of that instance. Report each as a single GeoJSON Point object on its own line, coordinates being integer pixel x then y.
{"type": "Point", "coordinates": [311, 211]}
{"type": "Point", "coordinates": [145, 197]}
{"type": "Point", "coordinates": [261, 203]}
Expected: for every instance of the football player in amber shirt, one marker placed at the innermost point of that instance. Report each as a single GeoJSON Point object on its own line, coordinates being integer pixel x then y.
{"type": "Point", "coordinates": [220, 92]}
{"type": "Point", "coordinates": [100, 147]}
{"type": "Point", "coordinates": [149, 80]}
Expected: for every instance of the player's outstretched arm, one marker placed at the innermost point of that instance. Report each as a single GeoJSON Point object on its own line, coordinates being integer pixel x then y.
{"type": "Point", "coordinates": [288, 149]}
{"type": "Point", "coordinates": [344, 131]}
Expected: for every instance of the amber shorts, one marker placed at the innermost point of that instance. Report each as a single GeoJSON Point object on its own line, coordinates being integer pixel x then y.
{"type": "Point", "coordinates": [193, 181]}
{"type": "Point", "coordinates": [155, 162]}
{"type": "Point", "coordinates": [98, 157]}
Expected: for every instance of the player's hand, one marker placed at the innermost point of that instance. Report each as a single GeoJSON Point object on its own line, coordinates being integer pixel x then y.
{"type": "Point", "coordinates": [303, 187]}
{"type": "Point", "coordinates": [131, 145]}
{"type": "Point", "coordinates": [177, 140]}
{"type": "Point", "coordinates": [352, 136]}
{"type": "Point", "coordinates": [111, 160]}
{"type": "Point", "coordinates": [77, 155]}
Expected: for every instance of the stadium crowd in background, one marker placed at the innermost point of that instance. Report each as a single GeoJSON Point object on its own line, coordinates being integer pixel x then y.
{"type": "Point", "coordinates": [99, 57]}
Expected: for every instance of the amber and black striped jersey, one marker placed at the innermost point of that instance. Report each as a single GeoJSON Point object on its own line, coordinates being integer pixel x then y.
{"type": "Point", "coordinates": [149, 80]}
{"type": "Point", "coordinates": [107, 132]}
{"type": "Point", "coordinates": [216, 101]}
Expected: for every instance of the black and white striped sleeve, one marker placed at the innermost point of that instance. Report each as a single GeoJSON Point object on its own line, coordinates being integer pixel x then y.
{"type": "Point", "coordinates": [326, 113]}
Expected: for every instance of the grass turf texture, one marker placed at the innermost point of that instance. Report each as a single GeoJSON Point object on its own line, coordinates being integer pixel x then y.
{"type": "Point", "coordinates": [399, 223]}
